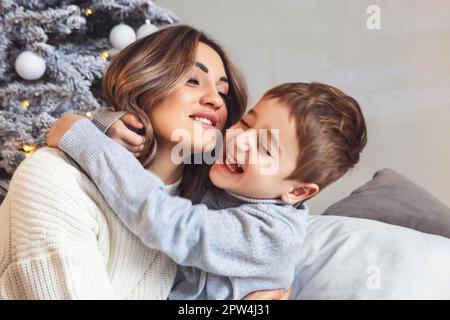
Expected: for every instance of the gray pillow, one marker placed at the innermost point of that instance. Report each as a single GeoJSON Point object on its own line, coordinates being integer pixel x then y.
{"type": "Point", "coordinates": [390, 197]}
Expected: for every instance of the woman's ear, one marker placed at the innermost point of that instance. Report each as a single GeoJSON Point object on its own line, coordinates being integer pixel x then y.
{"type": "Point", "coordinates": [299, 193]}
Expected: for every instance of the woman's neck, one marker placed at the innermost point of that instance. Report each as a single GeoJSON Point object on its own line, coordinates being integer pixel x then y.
{"type": "Point", "coordinates": [164, 167]}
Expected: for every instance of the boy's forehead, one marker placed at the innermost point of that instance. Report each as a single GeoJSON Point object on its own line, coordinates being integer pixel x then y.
{"type": "Point", "coordinates": [274, 114]}
{"type": "Point", "coordinates": [271, 110]}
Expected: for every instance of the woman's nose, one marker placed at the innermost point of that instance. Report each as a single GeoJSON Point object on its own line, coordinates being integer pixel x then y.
{"type": "Point", "coordinates": [212, 99]}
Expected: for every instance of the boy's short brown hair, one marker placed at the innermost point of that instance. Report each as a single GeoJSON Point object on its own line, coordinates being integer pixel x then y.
{"type": "Point", "coordinates": [331, 130]}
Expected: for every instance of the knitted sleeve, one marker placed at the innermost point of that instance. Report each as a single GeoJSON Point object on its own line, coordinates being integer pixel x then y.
{"type": "Point", "coordinates": [105, 118]}
{"type": "Point", "coordinates": [49, 247]}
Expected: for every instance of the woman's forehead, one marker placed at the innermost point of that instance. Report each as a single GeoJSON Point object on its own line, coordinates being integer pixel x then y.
{"type": "Point", "coordinates": [209, 58]}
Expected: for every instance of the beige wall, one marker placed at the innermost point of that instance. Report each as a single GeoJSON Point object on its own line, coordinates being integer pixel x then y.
{"type": "Point", "coordinates": [399, 74]}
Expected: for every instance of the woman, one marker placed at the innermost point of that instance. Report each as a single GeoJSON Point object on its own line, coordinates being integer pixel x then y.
{"type": "Point", "coordinates": [59, 238]}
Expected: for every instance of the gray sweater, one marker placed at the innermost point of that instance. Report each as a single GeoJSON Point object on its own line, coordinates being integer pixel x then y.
{"type": "Point", "coordinates": [227, 247]}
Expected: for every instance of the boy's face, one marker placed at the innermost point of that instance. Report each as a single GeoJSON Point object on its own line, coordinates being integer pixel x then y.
{"type": "Point", "coordinates": [257, 161]}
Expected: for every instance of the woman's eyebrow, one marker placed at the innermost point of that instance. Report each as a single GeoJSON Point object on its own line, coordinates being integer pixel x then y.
{"type": "Point", "coordinates": [205, 69]}
{"type": "Point", "coordinates": [202, 67]}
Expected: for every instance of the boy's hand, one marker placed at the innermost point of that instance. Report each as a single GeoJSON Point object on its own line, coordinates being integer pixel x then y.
{"type": "Point", "coordinates": [120, 132]}
{"type": "Point", "coordinates": [279, 294]}
{"type": "Point", "coordinates": [60, 127]}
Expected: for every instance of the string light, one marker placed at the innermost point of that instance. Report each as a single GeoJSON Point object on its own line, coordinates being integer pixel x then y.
{"type": "Point", "coordinates": [89, 12]}
{"type": "Point", "coordinates": [104, 54]}
{"type": "Point", "coordinates": [29, 149]}
{"type": "Point", "coordinates": [25, 104]}
{"type": "Point", "coordinates": [88, 114]}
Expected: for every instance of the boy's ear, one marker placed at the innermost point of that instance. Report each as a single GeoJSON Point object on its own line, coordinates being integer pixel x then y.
{"type": "Point", "coordinates": [300, 193]}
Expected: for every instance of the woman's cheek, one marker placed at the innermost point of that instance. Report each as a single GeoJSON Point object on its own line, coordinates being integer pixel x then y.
{"type": "Point", "coordinates": [223, 114]}
{"type": "Point", "coordinates": [185, 98]}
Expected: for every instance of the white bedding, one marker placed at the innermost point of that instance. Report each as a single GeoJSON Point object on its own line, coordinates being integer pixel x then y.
{"type": "Point", "coordinates": [350, 258]}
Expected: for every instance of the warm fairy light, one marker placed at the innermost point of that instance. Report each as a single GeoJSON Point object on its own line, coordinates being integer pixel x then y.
{"type": "Point", "coordinates": [89, 12]}
{"type": "Point", "coordinates": [29, 149]}
{"type": "Point", "coordinates": [88, 114]}
{"type": "Point", "coordinates": [104, 54]}
{"type": "Point", "coordinates": [25, 104]}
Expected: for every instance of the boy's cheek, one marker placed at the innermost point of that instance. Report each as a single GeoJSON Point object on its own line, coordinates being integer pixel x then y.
{"type": "Point", "coordinates": [270, 167]}
{"type": "Point", "coordinates": [253, 180]}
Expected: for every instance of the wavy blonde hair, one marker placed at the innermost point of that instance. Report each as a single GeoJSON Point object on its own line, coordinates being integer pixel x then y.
{"type": "Point", "coordinates": [143, 74]}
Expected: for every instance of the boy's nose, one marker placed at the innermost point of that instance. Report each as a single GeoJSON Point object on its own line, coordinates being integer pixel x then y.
{"type": "Point", "coordinates": [244, 144]}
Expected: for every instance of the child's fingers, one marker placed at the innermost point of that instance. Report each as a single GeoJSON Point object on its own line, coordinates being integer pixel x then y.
{"type": "Point", "coordinates": [121, 132]}
{"type": "Point", "coordinates": [133, 121]}
{"type": "Point", "coordinates": [133, 138]}
{"type": "Point", "coordinates": [129, 147]}
{"type": "Point", "coordinates": [134, 149]}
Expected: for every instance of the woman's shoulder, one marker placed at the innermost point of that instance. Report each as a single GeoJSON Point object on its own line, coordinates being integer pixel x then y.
{"type": "Point", "coordinates": [46, 157]}
{"type": "Point", "coordinates": [51, 177]}
{"type": "Point", "coordinates": [49, 172]}
{"type": "Point", "coordinates": [47, 198]}
{"type": "Point", "coordinates": [47, 165]}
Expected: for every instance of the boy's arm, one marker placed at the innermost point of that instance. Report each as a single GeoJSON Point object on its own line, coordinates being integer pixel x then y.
{"type": "Point", "coordinates": [239, 241]}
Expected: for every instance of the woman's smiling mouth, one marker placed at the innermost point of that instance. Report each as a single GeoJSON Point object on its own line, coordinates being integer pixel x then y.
{"type": "Point", "coordinates": [207, 119]}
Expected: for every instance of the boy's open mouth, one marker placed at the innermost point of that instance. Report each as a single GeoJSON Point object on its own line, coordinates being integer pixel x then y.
{"type": "Point", "coordinates": [235, 168]}
{"type": "Point", "coordinates": [232, 165]}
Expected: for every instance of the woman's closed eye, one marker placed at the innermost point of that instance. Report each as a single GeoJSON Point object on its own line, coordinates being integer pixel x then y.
{"type": "Point", "coordinates": [196, 82]}
{"type": "Point", "coordinates": [224, 96]}
{"type": "Point", "coordinates": [193, 81]}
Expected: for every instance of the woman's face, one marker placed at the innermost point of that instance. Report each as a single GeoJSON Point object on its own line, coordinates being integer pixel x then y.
{"type": "Point", "coordinates": [193, 115]}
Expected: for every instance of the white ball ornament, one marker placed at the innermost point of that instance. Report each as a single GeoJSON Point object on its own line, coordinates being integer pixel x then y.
{"type": "Point", "coordinates": [121, 36]}
{"type": "Point", "coordinates": [146, 29]}
{"type": "Point", "coordinates": [29, 65]}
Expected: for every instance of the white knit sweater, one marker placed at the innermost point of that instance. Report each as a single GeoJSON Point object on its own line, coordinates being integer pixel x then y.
{"type": "Point", "coordinates": [59, 239]}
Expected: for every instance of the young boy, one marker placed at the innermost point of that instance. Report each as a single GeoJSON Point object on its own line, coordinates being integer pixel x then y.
{"type": "Point", "coordinates": [247, 234]}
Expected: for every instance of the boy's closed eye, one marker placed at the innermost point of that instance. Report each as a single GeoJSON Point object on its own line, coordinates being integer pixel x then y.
{"type": "Point", "coordinates": [244, 123]}
{"type": "Point", "coordinates": [265, 150]}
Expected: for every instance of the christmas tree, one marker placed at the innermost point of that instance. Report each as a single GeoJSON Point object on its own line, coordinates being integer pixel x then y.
{"type": "Point", "coordinates": [52, 56]}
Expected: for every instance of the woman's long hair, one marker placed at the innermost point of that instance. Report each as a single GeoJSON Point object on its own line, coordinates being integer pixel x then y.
{"type": "Point", "coordinates": [143, 74]}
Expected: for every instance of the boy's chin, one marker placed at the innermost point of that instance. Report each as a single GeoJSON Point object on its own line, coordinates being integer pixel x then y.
{"type": "Point", "coordinates": [216, 178]}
